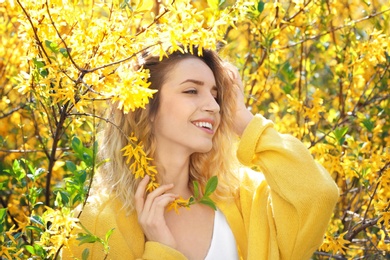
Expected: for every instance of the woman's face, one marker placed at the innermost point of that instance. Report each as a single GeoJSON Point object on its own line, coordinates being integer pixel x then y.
{"type": "Point", "coordinates": [188, 114]}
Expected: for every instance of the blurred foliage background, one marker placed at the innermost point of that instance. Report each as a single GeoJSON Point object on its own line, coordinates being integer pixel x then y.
{"type": "Point", "coordinates": [318, 68]}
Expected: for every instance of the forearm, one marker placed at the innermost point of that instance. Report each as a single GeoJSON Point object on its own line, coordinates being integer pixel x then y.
{"type": "Point", "coordinates": [302, 193]}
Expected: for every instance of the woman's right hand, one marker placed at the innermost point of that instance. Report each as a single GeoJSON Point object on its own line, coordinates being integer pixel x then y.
{"type": "Point", "coordinates": [150, 209]}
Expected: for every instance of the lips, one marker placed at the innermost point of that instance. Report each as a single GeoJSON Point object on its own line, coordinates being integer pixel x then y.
{"type": "Point", "coordinates": [206, 124]}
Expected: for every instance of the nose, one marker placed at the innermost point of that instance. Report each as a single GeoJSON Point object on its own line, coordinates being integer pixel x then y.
{"type": "Point", "coordinates": [211, 105]}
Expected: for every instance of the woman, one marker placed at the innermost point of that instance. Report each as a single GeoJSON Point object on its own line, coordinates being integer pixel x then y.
{"type": "Point", "coordinates": [189, 129]}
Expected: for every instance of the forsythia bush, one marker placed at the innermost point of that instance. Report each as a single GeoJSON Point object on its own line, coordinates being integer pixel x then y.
{"type": "Point", "coordinates": [319, 69]}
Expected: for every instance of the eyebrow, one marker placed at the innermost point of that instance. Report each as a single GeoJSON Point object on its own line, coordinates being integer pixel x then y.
{"type": "Point", "coordinates": [198, 82]}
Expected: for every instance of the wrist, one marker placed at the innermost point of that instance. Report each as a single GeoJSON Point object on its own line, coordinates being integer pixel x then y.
{"type": "Point", "coordinates": [243, 117]}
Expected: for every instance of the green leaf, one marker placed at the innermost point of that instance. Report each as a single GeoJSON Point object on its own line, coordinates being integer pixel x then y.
{"type": "Point", "coordinates": [125, 4]}
{"type": "Point", "coordinates": [52, 46]}
{"type": "Point", "coordinates": [191, 201]}
{"type": "Point", "coordinates": [62, 197]}
{"type": "Point", "coordinates": [287, 75]}
{"type": "Point", "coordinates": [37, 229]}
{"type": "Point", "coordinates": [37, 205]}
{"type": "Point", "coordinates": [221, 2]}
{"type": "Point", "coordinates": [260, 6]}
{"type": "Point", "coordinates": [30, 249]}
{"type": "Point", "coordinates": [17, 170]}
{"type": "Point", "coordinates": [339, 134]}
{"type": "Point", "coordinates": [64, 52]}
{"type": "Point", "coordinates": [40, 65]}
{"type": "Point", "coordinates": [85, 254]}
{"type": "Point", "coordinates": [369, 125]}
{"type": "Point", "coordinates": [70, 166]}
{"type": "Point", "coordinates": [82, 177]}
{"type": "Point", "coordinates": [208, 202]}
{"type": "Point", "coordinates": [77, 146]}
{"type": "Point", "coordinates": [39, 251]}
{"type": "Point", "coordinates": [36, 219]}
{"type": "Point", "coordinates": [87, 238]}
{"type": "Point", "coordinates": [287, 89]}
{"type": "Point", "coordinates": [196, 189]}
{"type": "Point", "coordinates": [109, 233]}
{"type": "Point", "coordinates": [3, 214]}
{"type": "Point", "coordinates": [38, 172]}
{"type": "Point", "coordinates": [387, 56]}
{"type": "Point", "coordinates": [211, 185]}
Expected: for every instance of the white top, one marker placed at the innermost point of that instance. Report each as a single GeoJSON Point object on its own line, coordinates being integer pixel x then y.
{"type": "Point", "coordinates": [223, 244]}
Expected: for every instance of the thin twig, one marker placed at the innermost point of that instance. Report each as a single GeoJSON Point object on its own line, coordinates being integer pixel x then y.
{"type": "Point", "coordinates": [30, 151]}
{"type": "Point", "coordinates": [330, 31]}
{"type": "Point", "coordinates": [53, 159]}
{"type": "Point", "coordinates": [298, 12]}
{"type": "Point", "coordinates": [4, 115]}
{"type": "Point", "coordinates": [59, 35]}
{"type": "Point", "coordinates": [35, 31]}
{"type": "Point", "coordinates": [120, 61]}
{"type": "Point", "coordinates": [101, 118]}
{"type": "Point", "coordinates": [376, 187]}
{"type": "Point", "coordinates": [330, 256]}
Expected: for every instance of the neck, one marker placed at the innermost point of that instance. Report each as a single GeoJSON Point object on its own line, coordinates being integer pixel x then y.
{"type": "Point", "coordinates": [174, 168]}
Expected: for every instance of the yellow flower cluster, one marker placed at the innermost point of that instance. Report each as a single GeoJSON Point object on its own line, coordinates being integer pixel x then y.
{"type": "Point", "coordinates": [179, 203]}
{"type": "Point", "coordinates": [60, 224]}
{"type": "Point", "coordinates": [335, 244]}
{"type": "Point", "coordinates": [139, 162]}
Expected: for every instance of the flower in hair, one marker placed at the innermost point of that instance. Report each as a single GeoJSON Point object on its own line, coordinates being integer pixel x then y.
{"type": "Point", "coordinates": [139, 162]}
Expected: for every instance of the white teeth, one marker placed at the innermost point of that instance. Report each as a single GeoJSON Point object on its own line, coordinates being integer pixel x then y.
{"type": "Point", "coordinates": [204, 124]}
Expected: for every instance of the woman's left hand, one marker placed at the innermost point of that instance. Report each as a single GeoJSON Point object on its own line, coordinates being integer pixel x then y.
{"type": "Point", "coordinates": [242, 115]}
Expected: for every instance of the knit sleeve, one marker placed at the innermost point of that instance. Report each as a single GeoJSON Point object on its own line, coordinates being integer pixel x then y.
{"type": "Point", "coordinates": [155, 250]}
{"type": "Point", "coordinates": [127, 240]}
{"type": "Point", "coordinates": [298, 195]}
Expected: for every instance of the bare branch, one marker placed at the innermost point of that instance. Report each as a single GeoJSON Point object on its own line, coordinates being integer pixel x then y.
{"type": "Point", "coordinates": [4, 115]}
{"type": "Point", "coordinates": [101, 118]}
{"type": "Point", "coordinates": [30, 151]}
{"type": "Point", "coordinates": [330, 31]}
{"type": "Point", "coordinates": [371, 222]}
{"type": "Point", "coordinates": [120, 61]}
{"type": "Point", "coordinates": [59, 35]}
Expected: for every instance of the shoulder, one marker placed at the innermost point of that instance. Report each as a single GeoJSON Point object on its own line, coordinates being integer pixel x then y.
{"type": "Point", "coordinates": [99, 213]}
{"type": "Point", "coordinates": [95, 205]}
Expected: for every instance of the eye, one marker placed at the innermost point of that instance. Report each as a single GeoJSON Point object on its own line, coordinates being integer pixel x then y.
{"type": "Point", "coordinates": [191, 91]}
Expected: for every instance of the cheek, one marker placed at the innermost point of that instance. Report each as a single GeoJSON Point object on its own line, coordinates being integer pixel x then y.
{"type": "Point", "coordinates": [165, 116]}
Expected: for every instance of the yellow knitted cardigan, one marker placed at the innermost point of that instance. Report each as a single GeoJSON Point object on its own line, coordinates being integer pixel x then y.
{"type": "Point", "coordinates": [281, 213]}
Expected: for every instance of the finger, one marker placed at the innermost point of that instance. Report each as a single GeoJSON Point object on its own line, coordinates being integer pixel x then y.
{"type": "Point", "coordinates": [156, 193]}
{"type": "Point", "coordinates": [157, 210]}
{"type": "Point", "coordinates": [154, 224]}
{"type": "Point", "coordinates": [140, 194]}
{"type": "Point", "coordinates": [234, 74]}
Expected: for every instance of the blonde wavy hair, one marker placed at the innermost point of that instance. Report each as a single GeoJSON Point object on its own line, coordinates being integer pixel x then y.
{"type": "Point", "coordinates": [116, 176]}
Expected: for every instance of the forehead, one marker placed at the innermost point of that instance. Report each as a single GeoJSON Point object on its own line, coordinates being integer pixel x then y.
{"type": "Point", "coordinates": [191, 68]}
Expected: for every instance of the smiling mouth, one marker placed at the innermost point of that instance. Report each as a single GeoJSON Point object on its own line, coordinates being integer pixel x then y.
{"type": "Point", "coordinates": [205, 125]}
